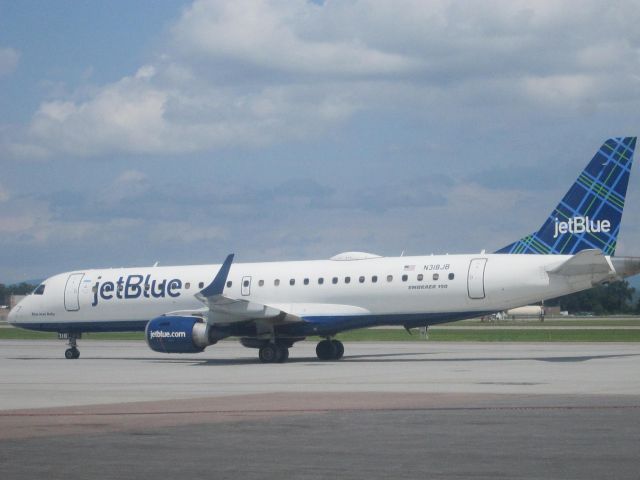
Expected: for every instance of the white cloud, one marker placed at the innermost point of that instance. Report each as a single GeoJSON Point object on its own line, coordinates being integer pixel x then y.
{"type": "Point", "coordinates": [273, 35]}
{"type": "Point", "coordinates": [561, 88]}
{"type": "Point", "coordinates": [257, 72]}
{"type": "Point", "coordinates": [8, 60]}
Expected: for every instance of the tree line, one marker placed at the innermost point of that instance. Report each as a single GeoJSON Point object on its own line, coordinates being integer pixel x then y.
{"type": "Point", "coordinates": [17, 289]}
{"type": "Point", "coordinates": [608, 298]}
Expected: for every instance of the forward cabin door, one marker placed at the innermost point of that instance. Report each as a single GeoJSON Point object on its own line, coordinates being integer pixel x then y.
{"type": "Point", "coordinates": [475, 279]}
{"type": "Point", "coordinates": [72, 292]}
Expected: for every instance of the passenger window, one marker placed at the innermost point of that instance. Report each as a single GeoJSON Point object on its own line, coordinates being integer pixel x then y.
{"type": "Point", "coordinates": [245, 283]}
{"type": "Point", "coordinates": [306, 281]}
{"type": "Point", "coordinates": [39, 290]}
{"type": "Point", "coordinates": [120, 288]}
{"type": "Point", "coordinates": [320, 281]}
{"type": "Point", "coordinates": [229, 283]}
{"type": "Point", "coordinates": [261, 283]}
{"type": "Point", "coordinates": [347, 279]}
{"type": "Point", "coordinates": [201, 285]}
{"type": "Point", "coordinates": [361, 279]}
{"type": "Point", "coordinates": [187, 285]}
{"type": "Point", "coordinates": [420, 277]}
{"type": "Point", "coordinates": [147, 286]}
{"type": "Point", "coordinates": [405, 278]}
{"type": "Point", "coordinates": [451, 276]}
{"type": "Point", "coordinates": [276, 282]}
{"type": "Point", "coordinates": [389, 278]}
{"type": "Point", "coordinates": [292, 282]}
{"type": "Point", "coordinates": [374, 279]}
{"type": "Point", "coordinates": [436, 276]}
{"type": "Point", "coordinates": [334, 280]}
{"type": "Point", "coordinates": [95, 289]}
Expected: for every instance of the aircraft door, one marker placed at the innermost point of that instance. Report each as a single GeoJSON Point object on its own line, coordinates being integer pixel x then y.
{"type": "Point", "coordinates": [72, 292]}
{"type": "Point", "coordinates": [475, 279]}
{"type": "Point", "coordinates": [246, 286]}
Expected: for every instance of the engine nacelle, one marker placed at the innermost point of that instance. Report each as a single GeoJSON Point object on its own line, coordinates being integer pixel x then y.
{"type": "Point", "coordinates": [174, 334]}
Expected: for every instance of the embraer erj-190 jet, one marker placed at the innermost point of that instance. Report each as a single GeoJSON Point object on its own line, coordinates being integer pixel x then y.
{"type": "Point", "coordinates": [270, 306]}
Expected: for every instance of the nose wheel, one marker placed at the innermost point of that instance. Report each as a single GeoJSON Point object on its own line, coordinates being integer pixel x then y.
{"type": "Point", "coordinates": [72, 352]}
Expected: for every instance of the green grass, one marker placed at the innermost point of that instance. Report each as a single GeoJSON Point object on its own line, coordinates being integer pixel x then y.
{"type": "Point", "coordinates": [524, 335]}
{"type": "Point", "coordinates": [20, 334]}
{"type": "Point", "coordinates": [491, 334]}
{"type": "Point", "coordinates": [556, 322]}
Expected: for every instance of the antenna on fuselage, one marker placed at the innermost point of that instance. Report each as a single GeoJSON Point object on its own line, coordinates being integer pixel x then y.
{"type": "Point", "coordinates": [155, 264]}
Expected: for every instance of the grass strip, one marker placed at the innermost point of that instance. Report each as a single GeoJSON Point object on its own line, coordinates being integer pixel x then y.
{"type": "Point", "coordinates": [493, 334]}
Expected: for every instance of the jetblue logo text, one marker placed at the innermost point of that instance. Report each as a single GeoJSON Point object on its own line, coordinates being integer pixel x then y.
{"type": "Point", "coordinates": [136, 286]}
{"type": "Point", "coordinates": [581, 225]}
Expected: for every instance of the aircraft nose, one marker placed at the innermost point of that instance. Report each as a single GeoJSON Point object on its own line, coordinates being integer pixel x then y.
{"type": "Point", "coordinates": [14, 315]}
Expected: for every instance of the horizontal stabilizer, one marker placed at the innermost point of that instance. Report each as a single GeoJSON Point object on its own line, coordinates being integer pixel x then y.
{"type": "Point", "coordinates": [626, 266]}
{"type": "Point", "coordinates": [586, 262]}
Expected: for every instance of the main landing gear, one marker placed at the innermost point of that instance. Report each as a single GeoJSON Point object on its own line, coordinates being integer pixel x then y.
{"type": "Point", "coordinates": [273, 353]}
{"type": "Point", "coordinates": [72, 352]}
{"type": "Point", "coordinates": [330, 349]}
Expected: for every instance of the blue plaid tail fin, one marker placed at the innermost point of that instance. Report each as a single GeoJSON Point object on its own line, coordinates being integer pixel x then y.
{"type": "Point", "coordinates": [589, 215]}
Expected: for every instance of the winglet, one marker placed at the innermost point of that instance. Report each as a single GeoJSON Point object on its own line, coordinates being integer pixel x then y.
{"type": "Point", "coordinates": [216, 287]}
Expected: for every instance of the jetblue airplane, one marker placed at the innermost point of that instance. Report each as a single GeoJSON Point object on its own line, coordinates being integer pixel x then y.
{"type": "Point", "coordinates": [270, 306]}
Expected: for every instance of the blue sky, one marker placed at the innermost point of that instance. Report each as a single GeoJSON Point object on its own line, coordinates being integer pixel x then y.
{"type": "Point", "coordinates": [177, 131]}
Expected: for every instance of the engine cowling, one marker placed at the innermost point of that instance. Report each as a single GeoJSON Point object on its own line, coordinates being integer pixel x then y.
{"type": "Point", "coordinates": [175, 334]}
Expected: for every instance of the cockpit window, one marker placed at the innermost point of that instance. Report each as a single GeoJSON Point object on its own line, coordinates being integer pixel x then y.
{"type": "Point", "coordinates": [39, 289]}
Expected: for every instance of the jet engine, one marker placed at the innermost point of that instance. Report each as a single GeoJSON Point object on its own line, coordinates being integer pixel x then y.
{"type": "Point", "coordinates": [176, 334]}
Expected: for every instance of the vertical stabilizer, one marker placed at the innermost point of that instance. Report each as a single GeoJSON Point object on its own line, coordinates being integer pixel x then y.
{"type": "Point", "coordinates": [589, 215]}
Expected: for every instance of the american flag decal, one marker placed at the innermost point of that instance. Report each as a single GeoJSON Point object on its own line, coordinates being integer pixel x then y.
{"type": "Point", "coordinates": [409, 268]}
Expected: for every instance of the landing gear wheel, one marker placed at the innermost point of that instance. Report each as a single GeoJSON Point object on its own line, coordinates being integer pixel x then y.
{"type": "Point", "coordinates": [339, 348]}
{"type": "Point", "coordinates": [283, 354]}
{"type": "Point", "coordinates": [269, 353]}
{"type": "Point", "coordinates": [71, 353]}
{"type": "Point", "coordinates": [326, 350]}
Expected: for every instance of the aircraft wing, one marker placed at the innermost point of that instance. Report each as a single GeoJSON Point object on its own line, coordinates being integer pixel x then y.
{"type": "Point", "coordinates": [586, 262]}
{"type": "Point", "coordinates": [225, 310]}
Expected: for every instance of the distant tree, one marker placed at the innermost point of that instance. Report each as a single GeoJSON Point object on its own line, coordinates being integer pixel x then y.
{"type": "Point", "coordinates": [614, 297]}
{"type": "Point", "coordinates": [17, 289]}
{"type": "Point", "coordinates": [22, 288]}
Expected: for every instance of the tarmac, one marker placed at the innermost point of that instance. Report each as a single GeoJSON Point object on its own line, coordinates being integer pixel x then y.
{"type": "Point", "coordinates": [387, 410]}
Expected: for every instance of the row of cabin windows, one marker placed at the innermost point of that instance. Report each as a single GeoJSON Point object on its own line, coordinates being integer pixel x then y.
{"type": "Point", "coordinates": [292, 281]}
{"type": "Point", "coordinates": [335, 280]}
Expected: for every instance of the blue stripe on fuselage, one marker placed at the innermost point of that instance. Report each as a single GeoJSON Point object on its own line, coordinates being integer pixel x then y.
{"type": "Point", "coordinates": [312, 325]}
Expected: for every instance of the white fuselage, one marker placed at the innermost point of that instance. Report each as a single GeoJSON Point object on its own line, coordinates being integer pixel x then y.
{"type": "Point", "coordinates": [383, 290]}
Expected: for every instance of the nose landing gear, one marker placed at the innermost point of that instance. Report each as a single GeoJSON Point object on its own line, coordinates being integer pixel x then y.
{"type": "Point", "coordinates": [72, 352]}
